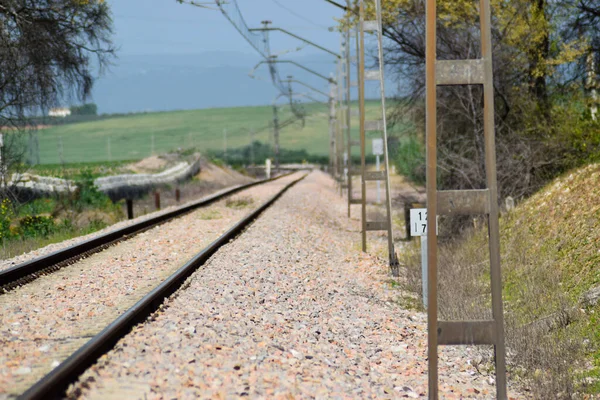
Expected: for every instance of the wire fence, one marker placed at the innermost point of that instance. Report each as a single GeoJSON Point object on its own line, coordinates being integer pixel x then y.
{"type": "Point", "coordinates": [68, 149]}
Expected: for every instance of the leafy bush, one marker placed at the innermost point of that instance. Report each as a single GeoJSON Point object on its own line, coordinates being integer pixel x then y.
{"type": "Point", "coordinates": [37, 206]}
{"type": "Point", "coordinates": [217, 161]}
{"type": "Point", "coordinates": [262, 151]}
{"type": "Point", "coordinates": [37, 226]}
{"type": "Point", "coordinates": [42, 221]}
{"type": "Point", "coordinates": [6, 216]}
{"type": "Point", "coordinates": [409, 158]}
{"type": "Point", "coordinates": [85, 109]}
{"type": "Point", "coordinates": [88, 195]}
{"type": "Point", "coordinates": [23, 224]}
{"type": "Point", "coordinates": [576, 132]}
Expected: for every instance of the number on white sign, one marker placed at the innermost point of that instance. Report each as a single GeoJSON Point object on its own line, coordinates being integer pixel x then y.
{"type": "Point", "coordinates": [418, 222]}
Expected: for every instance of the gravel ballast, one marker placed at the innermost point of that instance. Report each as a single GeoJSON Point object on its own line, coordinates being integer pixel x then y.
{"type": "Point", "coordinates": [43, 322]}
{"type": "Point", "coordinates": [290, 309]}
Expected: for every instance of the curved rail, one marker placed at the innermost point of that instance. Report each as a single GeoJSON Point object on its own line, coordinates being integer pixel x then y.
{"type": "Point", "coordinates": [29, 270]}
{"type": "Point", "coordinates": [55, 383]}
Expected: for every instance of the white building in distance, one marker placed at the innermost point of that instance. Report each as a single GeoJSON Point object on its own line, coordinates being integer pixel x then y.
{"type": "Point", "coordinates": [59, 112]}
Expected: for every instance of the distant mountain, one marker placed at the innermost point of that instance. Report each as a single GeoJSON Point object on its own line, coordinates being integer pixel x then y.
{"type": "Point", "coordinates": [190, 81]}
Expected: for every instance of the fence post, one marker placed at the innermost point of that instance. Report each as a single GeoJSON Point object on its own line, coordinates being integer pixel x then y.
{"type": "Point", "coordinates": [157, 200]}
{"type": "Point", "coordinates": [129, 209]}
{"type": "Point", "coordinates": [268, 168]}
{"type": "Point", "coordinates": [251, 147]}
{"type": "Point", "coordinates": [61, 150]}
{"type": "Point", "coordinates": [109, 149]}
{"type": "Point", "coordinates": [225, 145]}
{"type": "Point", "coordinates": [37, 148]}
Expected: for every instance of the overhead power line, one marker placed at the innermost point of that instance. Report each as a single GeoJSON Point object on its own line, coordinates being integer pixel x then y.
{"type": "Point", "coordinates": [294, 13]}
{"type": "Point", "coordinates": [337, 5]}
{"type": "Point", "coordinates": [260, 42]}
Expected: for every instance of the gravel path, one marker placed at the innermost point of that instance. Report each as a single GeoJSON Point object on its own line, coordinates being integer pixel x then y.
{"type": "Point", "coordinates": [288, 310]}
{"type": "Point", "coordinates": [43, 322]}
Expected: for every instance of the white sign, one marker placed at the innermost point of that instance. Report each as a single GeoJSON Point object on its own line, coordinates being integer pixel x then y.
{"type": "Point", "coordinates": [377, 147]}
{"type": "Point", "coordinates": [418, 222]}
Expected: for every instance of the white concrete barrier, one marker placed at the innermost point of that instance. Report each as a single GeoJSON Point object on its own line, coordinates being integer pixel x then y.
{"type": "Point", "coordinates": [118, 186]}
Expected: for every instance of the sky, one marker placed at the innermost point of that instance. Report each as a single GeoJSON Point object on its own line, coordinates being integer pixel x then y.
{"type": "Point", "coordinates": [174, 56]}
{"type": "Point", "coordinates": [167, 27]}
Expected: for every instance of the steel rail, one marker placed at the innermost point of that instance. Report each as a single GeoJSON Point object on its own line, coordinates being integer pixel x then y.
{"type": "Point", "coordinates": [55, 383]}
{"type": "Point", "coordinates": [31, 269]}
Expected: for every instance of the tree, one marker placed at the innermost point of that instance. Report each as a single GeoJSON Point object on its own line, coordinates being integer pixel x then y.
{"type": "Point", "coordinates": [534, 71]}
{"type": "Point", "coordinates": [85, 109]}
{"type": "Point", "coordinates": [586, 21]}
{"type": "Point", "coordinates": [47, 50]}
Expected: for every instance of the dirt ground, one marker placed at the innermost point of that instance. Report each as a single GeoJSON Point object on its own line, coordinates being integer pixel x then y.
{"type": "Point", "coordinates": [210, 179]}
{"type": "Point", "coordinates": [148, 165]}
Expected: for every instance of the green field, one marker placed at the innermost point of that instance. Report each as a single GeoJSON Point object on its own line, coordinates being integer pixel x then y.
{"type": "Point", "coordinates": [131, 137]}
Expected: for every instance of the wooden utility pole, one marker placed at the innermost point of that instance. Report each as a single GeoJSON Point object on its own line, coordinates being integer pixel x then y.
{"type": "Point", "coordinates": [361, 107]}
{"type": "Point", "coordinates": [276, 136]}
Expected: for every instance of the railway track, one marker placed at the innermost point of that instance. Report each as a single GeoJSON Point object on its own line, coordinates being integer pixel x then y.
{"type": "Point", "coordinates": [284, 310]}
{"type": "Point", "coordinates": [28, 271]}
{"type": "Point", "coordinates": [54, 383]}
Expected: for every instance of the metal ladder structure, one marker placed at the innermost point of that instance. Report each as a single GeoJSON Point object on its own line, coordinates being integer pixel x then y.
{"type": "Point", "coordinates": [338, 105]}
{"type": "Point", "coordinates": [379, 125]}
{"type": "Point", "coordinates": [462, 202]}
{"type": "Point", "coordinates": [346, 59]}
{"type": "Point", "coordinates": [352, 33]}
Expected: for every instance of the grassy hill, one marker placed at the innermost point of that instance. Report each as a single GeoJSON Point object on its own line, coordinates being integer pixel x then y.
{"type": "Point", "coordinates": [550, 252]}
{"type": "Point", "coordinates": [551, 260]}
{"type": "Point", "coordinates": [130, 137]}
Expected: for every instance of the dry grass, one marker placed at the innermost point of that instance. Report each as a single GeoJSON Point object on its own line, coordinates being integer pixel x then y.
{"type": "Point", "coordinates": [549, 252]}
{"type": "Point", "coordinates": [239, 202]}
{"type": "Point", "coordinates": [549, 258]}
{"type": "Point", "coordinates": [550, 361]}
{"type": "Point", "coordinates": [210, 214]}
